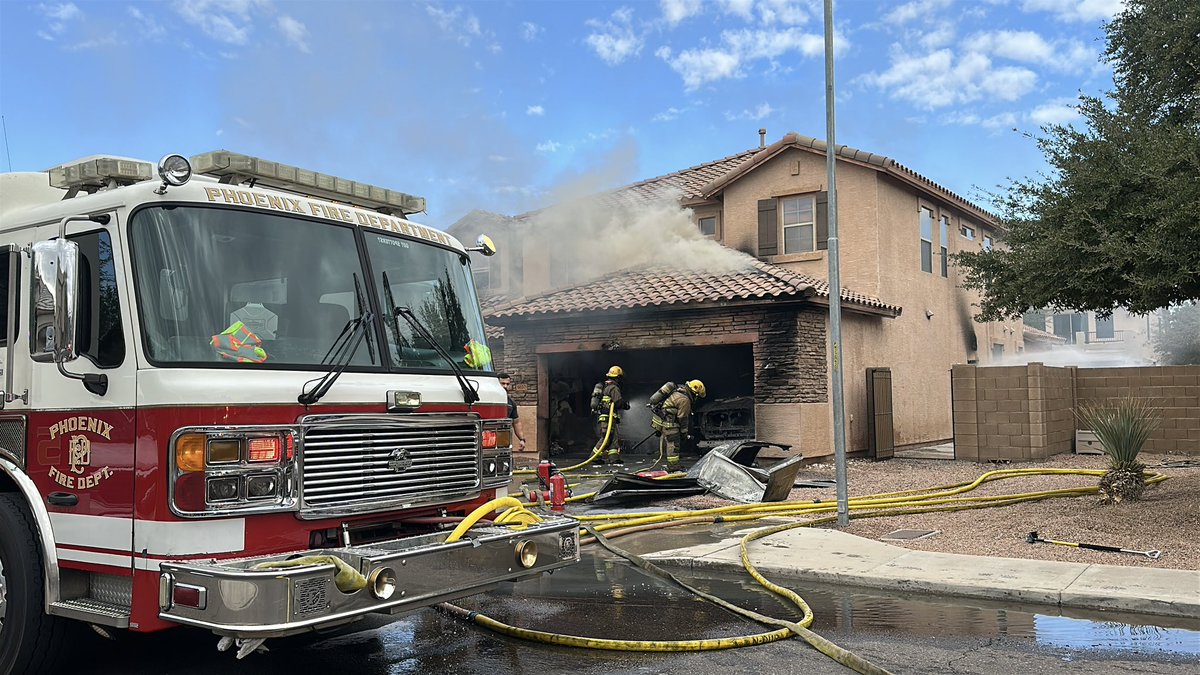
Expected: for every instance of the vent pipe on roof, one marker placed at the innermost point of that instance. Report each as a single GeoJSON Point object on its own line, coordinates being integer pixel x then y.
{"type": "Point", "coordinates": [762, 138]}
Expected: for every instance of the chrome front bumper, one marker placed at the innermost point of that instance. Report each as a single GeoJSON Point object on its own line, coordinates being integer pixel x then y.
{"type": "Point", "coordinates": [241, 602]}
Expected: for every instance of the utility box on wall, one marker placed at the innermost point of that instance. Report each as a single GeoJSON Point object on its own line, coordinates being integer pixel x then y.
{"type": "Point", "coordinates": [1086, 443]}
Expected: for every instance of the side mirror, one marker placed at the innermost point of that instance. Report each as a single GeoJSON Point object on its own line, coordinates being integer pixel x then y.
{"type": "Point", "coordinates": [484, 245]}
{"type": "Point", "coordinates": [55, 291]}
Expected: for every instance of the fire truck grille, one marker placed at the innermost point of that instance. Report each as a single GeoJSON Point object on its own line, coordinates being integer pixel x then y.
{"type": "Point", "coordinates": [373, 463]}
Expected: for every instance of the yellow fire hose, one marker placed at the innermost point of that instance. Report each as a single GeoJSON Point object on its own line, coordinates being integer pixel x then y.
{"type": "Point", "coordinates": [600, 447]}
{"type": "Point", "coordinates": [922, 500]}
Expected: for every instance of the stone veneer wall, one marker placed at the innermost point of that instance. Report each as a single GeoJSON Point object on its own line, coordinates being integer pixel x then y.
{"type": "Point", "coordinates": [789, 337]}
{"type": "Point", "coordinates": [1028, 412]}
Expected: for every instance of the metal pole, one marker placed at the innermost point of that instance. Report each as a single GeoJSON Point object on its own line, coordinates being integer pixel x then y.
{"type": "Point", "coordinates": [835, 284]}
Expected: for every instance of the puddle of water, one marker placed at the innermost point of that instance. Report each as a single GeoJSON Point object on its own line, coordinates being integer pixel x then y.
{"type": "Point", "coordinates": [629, 604]}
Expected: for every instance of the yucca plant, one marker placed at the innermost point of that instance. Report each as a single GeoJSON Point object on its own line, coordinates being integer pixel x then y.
{"type": "Point", "coordinates": [1122, 427]}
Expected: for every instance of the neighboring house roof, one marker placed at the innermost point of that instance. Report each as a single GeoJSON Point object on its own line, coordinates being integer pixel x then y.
{"type": "Point", "coordinates": [1031, 333]}
{"type": "Point", "coordinates": [493, 332]}
{"type": "Point", "coordinates": [869, 159]}
{"type": "Point", "coordinates": [664, 286]}
{"type": "Point", "coordinates": [478, 221]}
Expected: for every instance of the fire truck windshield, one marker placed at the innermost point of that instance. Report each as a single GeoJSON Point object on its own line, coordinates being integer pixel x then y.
{"type": "Point", "coordinates": [219, 287]}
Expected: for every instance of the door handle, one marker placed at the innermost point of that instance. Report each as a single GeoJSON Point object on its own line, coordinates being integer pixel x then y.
{"type": "Point", "coordinates": [62, 499]}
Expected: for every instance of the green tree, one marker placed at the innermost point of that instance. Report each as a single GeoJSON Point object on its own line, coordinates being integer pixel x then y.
{"type": "Point", "coordinates": [1178, 338]}
{"type": "Point", "coordinates": [1116, 220]}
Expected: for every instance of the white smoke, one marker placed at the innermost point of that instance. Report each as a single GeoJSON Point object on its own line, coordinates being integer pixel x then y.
{"type": "Point", "coordinates": [595, 236]}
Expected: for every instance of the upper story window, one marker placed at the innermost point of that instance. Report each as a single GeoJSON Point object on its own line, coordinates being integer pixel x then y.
{"type": "Point", "coordinates": [1105, 329]}
{"type": "Point", "coordinates": [707, 225]}
{"type": "Point", "coordinates": [987, 243]}
{"type": "Point", "coordinates": [799, 224]}
{"type": "Point", "coordinates": [926, 239]}
{"type": "Point", "coordinates": [944, 241]}
{"type": "Point", "coordinates": [967, 232]}
{"type": "Point", "coordinates": [796, 224]}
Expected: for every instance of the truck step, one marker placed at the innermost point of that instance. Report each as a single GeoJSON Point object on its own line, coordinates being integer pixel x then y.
{"type": "Point", "coordinates": [92, 611]}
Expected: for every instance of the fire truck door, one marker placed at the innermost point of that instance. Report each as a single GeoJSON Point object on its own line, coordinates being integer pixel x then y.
{"type": "Point", "coordinates": [81, 437]}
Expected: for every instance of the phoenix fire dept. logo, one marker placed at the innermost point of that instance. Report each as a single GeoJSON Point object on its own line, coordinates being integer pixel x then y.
{"type": "Point", "coordinates": [79, 455]}
{"type": "Point", "coordinates": [80, 474]}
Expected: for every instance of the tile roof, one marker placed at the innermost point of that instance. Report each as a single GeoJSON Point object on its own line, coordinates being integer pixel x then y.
{"type": "Point", "coordinates": [1030, 333]}
{"type": "Point", "coordinates": [816, 145]}
{"type": "Point", "coordinates": [662, 286]}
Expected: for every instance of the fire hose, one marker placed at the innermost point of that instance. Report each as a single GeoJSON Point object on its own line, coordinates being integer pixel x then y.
{"type": "Point", "coordinates": [923, 500]}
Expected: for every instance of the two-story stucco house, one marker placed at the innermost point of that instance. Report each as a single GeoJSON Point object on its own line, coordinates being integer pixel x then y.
{"type": "Point", "coordinates": [757, 334]}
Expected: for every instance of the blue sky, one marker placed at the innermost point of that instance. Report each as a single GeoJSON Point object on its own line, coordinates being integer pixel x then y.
{"type": "Point", "coordinates": [498, 105]}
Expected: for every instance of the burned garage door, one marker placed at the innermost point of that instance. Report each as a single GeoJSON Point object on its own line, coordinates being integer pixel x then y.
{"type": "Point", "coordinates": [727, 412]}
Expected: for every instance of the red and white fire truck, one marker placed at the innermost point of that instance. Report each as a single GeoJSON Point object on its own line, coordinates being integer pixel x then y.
{"type": "Point", "coordinates": [214, 366]}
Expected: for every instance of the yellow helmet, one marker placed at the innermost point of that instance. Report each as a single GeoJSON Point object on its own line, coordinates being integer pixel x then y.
{"type": "Point", "coordinates": [697, 388]}
{"type": "Point", "coordinates": [615, 371]}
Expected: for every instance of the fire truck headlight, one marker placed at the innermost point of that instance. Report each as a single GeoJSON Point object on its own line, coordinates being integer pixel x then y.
{"type": "Point", "coordinates": [224, 450]}
{"type": "Point", "coordinates": [262, 486]}
{"type": "Point", "coordinates": [174, 169]}
{"type": "Point", "coordinates": [222, 489]}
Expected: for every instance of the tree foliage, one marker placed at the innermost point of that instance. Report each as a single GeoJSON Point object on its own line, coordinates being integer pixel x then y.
{"type": "Point", "coordinates": [1116, 221]}
{"type": "Point", "coordinates": [1178, 338]}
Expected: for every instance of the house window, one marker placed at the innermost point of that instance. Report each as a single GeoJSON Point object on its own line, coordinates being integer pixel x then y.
{"type": "Point", "coordinates": [944, 241]}
{"type": "Point", "coordinates": [799, 224]}
{"type": "Point", "coordinates": [486, 271]}
{"type": "Point", "coordinates": [1066, 326]}
{"type": "Point", "coordinates": [708, 226]}
{"type": "Point", "coordinates": [967, 232]}
{"type": "Point", "coordinates": [1105, 329]}
{"type": "Point", "coordinates": [997, 351]}
{"type": "Point", "coordinates": [926, 239]}
{"type": "Point", "coordinates": [987, 243]}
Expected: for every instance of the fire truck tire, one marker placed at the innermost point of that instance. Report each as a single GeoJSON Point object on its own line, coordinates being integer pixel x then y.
{"type": "Point", "coordinates": [31, 641]}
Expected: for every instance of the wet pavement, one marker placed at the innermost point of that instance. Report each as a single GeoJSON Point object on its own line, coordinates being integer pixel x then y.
{"type": "Point", "coordinates": [605, 597]}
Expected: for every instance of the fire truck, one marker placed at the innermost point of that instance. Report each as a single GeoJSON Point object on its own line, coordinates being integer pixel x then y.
{"type": "Point", "coordinates": [231, 385]}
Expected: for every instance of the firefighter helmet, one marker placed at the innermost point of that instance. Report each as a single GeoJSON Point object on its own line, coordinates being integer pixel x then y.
{"type": "Point", "coordinates": [697, 388]}
{"type": "Point", "coordinates": [615, 371]}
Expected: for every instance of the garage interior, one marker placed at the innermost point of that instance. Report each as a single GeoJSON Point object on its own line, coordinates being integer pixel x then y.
{"type": "Point", "coordinates": [726, 412]}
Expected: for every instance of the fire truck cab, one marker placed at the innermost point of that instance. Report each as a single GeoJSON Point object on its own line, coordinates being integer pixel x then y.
{"type": "Point", "coordinates": [241, 396]}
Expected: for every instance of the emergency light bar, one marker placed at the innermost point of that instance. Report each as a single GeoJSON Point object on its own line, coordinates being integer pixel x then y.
{"type": "Point", "coordinates": [94, 173]}
{"type": "Point", "coordinates": [232, 167]}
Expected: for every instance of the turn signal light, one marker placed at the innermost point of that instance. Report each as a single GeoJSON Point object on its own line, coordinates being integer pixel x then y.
{"type": "Point", "coordinates": [189, 452]}
{"type": "Point", "coordinates": [265, 449]}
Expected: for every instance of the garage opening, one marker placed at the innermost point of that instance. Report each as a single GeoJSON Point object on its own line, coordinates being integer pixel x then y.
{"type": "Point", "coordinates": [727, 412]}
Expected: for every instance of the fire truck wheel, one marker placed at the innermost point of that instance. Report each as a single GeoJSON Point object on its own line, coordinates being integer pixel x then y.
{"type": "Point", "coordinates": [30, 640]}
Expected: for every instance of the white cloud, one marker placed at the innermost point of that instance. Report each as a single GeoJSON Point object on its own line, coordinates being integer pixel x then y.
{"type": "Point", "coordinates": [148, 27]}
{"type": "Point", "coordinates": [615, 40]}
{"type": "Point", "coordinates": [458, 23]}
{"type": "Point", "coordinates": [1076, 10]}
{"type": "Point", "coordinates": [937, 80]}
{"type": "Point", "coordinates": [917, 9]}
{"type": "Point", "coordinates": [668, 115]}
{"type": "Point", "coordinates": [1029, 47]}
{"type": "Point", "coordinates": [95, 42]}
{"type": "Point", "coordinates": [294, 32]}
{"type": "Point", "coordinates": [535, 110]}
{"type": "Point", "coordinates": [740, 48]}
{"type": "Point", "coordinates": [675, 11]}
{"type": "Point", "coordinates": [58, 15]}
{"type": "Point", "coordinates": [228, 21]}
{"type": "Point", "coordinates": [939, 36]}
{"type": "Point", "coordinates": [497, 158]}
{"type": "Point", "coordinates": [742, 8]}
{"type": "Point", "coordinates": [548, 146]}
{"type": "Point", "coordinates": [1057, 111]}
{"type": "Point", "coordinates": [786, 12]}
{"type": "Point", "coordinates": [530, 31]}
{"type": "Point", "coordinates": [763, 111]}
{"type": "Point", "coordinates": [1005, 119]}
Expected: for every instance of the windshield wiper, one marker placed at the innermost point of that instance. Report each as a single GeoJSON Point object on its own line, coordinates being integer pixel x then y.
{"type": "Point", "coordinates": [469, 394]}
{"type": "Point", "coordinates": [340, 353]}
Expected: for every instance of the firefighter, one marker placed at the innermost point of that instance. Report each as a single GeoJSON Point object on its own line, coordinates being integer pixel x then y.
{"type": "Point", "coordinates": [607, 399]}
{"type": "Point", "coordinates": [673, 417]}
